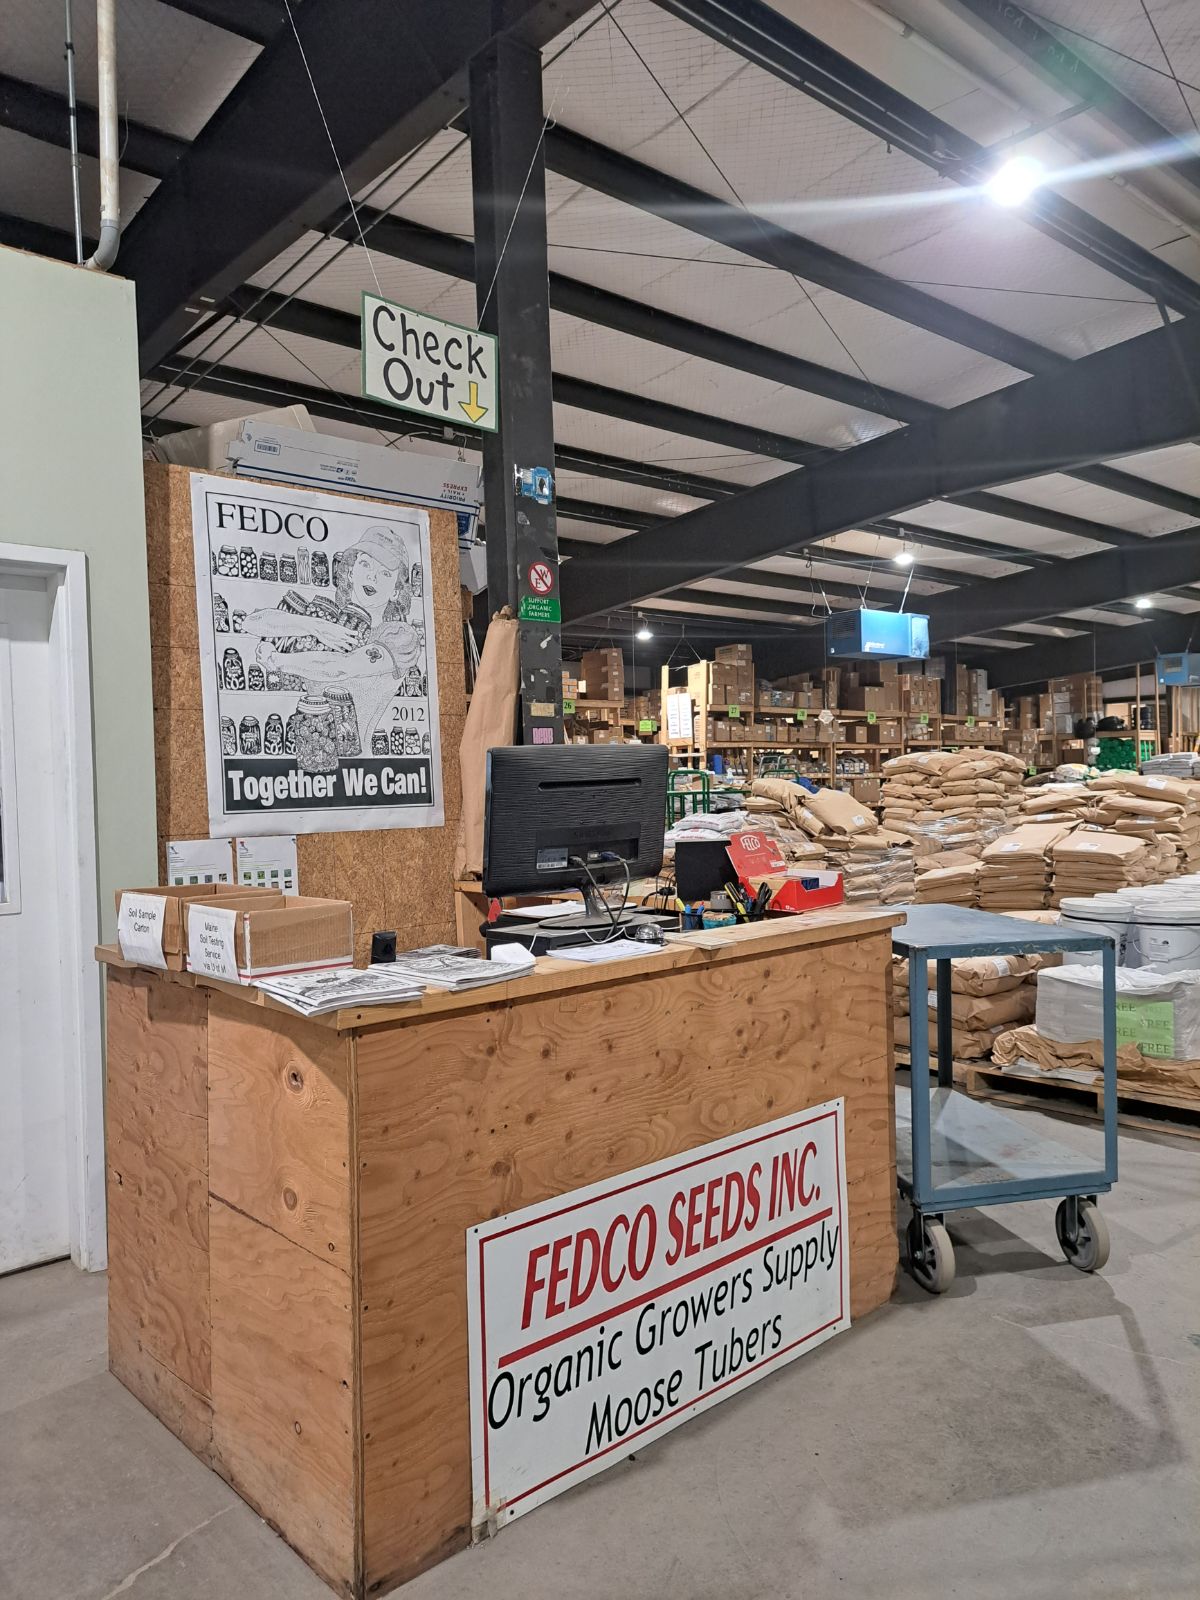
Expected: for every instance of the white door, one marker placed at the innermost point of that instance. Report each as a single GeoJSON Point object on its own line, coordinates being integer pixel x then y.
{"type": "Point", "coordinates": [34, 1219]}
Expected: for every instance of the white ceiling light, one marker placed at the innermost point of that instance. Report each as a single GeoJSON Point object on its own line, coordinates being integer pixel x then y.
{"type": "Point", "coordinates": [1012, 183]}
{"type": "Point", "coordinates": [1143, 603]}
{"type": "Point", "coordinates": [904, 558]}
{"type": "Point", "coordinates": [643, 632]}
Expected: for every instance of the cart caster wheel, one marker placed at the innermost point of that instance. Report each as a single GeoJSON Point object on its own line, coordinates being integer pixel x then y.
{"type": "Point", "coordinates": [1088, 1249]}
{"type": "Point", "coordinates": [930, 1255]}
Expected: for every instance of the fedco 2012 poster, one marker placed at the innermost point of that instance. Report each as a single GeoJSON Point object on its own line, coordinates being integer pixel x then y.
{"type": "Point", "coordinates": [317, 661]}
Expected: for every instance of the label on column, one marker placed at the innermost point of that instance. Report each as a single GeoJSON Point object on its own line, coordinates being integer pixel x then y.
{"type": "Point", "coordinates": [539, 608]}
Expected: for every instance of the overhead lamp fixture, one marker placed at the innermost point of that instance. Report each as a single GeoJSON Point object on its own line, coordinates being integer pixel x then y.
{"type": "Point", "coordinates": [1143, 603]}
{"type": "Point", "coordinates": [904, 557]}
{"type": "Point", "coordinates": [1014, 181]}
{"type": "Point", "coordinates": [643, 632]}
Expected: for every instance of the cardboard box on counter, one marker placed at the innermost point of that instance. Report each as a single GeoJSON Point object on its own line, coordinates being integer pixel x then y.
{"type": "Point", "coordinates": [292, 933]}
{"type": "Point", "coordinates": [177, 897]}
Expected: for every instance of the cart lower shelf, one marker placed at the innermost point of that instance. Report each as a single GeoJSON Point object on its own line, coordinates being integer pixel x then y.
{"type": "Point", "coordinates": [974, 1143]}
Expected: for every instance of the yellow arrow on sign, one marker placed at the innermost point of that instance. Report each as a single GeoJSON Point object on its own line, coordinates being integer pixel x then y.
{"type": "Point", "coordinates": [474, 410]}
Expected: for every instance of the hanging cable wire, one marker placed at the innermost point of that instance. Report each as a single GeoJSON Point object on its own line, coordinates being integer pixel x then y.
{"type": "Point", "coordinates": [1187, 104]}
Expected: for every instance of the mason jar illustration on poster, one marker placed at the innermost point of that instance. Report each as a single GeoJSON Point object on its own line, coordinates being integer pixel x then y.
{"type": "Point", "coordinates": [317, 660]}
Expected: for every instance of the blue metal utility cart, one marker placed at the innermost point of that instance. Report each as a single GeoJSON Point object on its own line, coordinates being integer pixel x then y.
{"type": "Point", "coordinates": [953, 1152]}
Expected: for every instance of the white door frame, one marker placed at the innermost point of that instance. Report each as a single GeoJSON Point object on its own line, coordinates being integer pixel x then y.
{"type": "Point", "coordinates": [79, 897]}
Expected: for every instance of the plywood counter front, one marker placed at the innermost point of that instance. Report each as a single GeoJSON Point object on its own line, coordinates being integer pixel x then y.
{"type": "Point", "coordinates": [289, 1199]}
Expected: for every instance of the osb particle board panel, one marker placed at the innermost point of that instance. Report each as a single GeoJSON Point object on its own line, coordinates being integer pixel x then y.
{"type": "Point", "coordinates": [156, 1136]}
{"type": "Point", "coordinates": [279, 1124]}
{"type": "Point", "coordinates": [477, 1113]}
{"type": "Point", "coordinates": [395, 878]}
{"type": "Point", "coordinates": [283, 1389]}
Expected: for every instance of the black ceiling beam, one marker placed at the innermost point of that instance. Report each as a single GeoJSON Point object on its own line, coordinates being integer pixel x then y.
{"type": "Point", "coordinates": [256, 389]}
{"type": "Point", "coordinates": [956, 543]}
{"type": "Point", "coordinates": [1002, 505]}
{"type": "Point", "coordinates": [313, 321]}
{"type": "Point", "coordinates": [742, 602]}
{"type": "Point", "coordinates": [40, 114]}
{"type": "Point", "coordinates": [1105, 650]}
{"type": "Point", "coordinates": [1091, 580]}
{"type": "Point", "coordinates": [761, 34]}
{"type": "Point", "coordinates": [21, 234]}
{"type": "Point", "coordinates": [1072, 76]}
{"type": "Point", "coordinates": [1121, 400]}
{"type": "Point", "coordinates": [256, 20]}
{"type": "Point", "coordinates": [812, 588]}
{"type": "Point", "coordinates": [622, 178]}
{"type": "Point", "coordinates": [1154, 494]}
{"type": "Point", "coordinates": [263, 170]}
{"type": "Point", "coordinates": [649, 475]}
{"type": "Point", "coordinates": [604, 516]}
{"type": "Point", "coordinates": [409, 241]}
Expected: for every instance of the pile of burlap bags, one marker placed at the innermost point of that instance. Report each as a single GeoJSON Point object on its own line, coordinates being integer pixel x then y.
{"type": "Point", "coordinates": [1017, 869]}
{"type": "Point", "coordinates": [951, 804]}
{"type": "Point", "coordinates": [875, 863]}
{"type": "Point", "coordinates": [989, 996]}
{"type": "Point", "coordinates": [1162, 810]}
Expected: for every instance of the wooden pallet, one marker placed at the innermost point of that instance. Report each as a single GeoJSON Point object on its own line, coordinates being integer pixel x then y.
{"type": "Point", "coordinates": [1136, 1108]}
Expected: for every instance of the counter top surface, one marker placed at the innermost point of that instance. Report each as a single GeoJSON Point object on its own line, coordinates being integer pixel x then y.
{"type": "Point", "coordinates": [690, 950]}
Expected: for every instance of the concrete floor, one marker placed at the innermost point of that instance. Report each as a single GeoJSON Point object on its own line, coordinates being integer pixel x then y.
{"type": "Point", "coordinates": [1035, 1433]}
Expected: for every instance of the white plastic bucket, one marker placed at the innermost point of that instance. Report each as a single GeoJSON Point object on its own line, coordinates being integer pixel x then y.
{"type": "Point", "coordinates": [1166, 934]}
{"type": "Point", "coordinates": [1102, 913]}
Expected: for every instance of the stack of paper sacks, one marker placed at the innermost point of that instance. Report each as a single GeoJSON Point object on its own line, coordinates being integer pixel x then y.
{"type": "Point", "coordinates": [1093, 861]}
{"type": "Point", "coordinates": [989, 995]}
{"type": "Point", "coordinates": [950, 802]}
{"type": "Point", "coordinates": [876, 864]}
{"type": "Point", "coordinates": [1016, 874]}
{"type": "Point", "coordinates": [1056, 802]}
{"type": "Point", "coordinates": [952, 879]}
{"type": "Point", "coordinates": [1159, 809]}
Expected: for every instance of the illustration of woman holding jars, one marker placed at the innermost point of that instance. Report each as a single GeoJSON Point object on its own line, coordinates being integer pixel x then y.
{"type": "Point", "coordinates": [350, 652]}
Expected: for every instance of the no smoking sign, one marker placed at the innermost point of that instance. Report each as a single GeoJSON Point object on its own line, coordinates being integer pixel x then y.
{"type": "Point", "coordinates": [541, 577]}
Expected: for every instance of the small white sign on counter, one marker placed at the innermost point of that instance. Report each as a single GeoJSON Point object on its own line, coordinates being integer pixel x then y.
{"type": "Point", "coordinates": [212, 945]}
{"type": "Point", "coordinates": [140, 929]}
{"type": "Point", "coordinates": [599, 1320]}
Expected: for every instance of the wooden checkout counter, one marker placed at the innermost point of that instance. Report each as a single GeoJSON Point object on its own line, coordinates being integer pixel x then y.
{"type": "Point", "coordinates": [289, 1198]}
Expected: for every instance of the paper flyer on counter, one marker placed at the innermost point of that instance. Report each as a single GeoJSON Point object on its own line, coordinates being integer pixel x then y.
{"type": "Point", "coordinates": [317, 661]}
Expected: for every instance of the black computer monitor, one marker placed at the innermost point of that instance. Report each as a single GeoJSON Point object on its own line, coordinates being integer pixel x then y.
{"type": "Point", "coordinates": [559, 816]}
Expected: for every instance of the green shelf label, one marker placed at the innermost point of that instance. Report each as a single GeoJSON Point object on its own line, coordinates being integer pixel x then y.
{"type": "Point", "coordinates": [734, 711]}
{"type": "Point", "coordinates": [970, 722]}
{"type": "Point", "coordinates": [802, 716]}
{"type": "Point", "coordinates": [568, 708]}
{"type": "Point", "coordinates": [871, 718]}
{"type": "Point", "coordinates": [646, 725]}
{"type": "Point", "coordinates": [925, 718]}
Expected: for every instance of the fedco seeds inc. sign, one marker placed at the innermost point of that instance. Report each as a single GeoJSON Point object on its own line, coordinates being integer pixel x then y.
{"type": "Point", "coordinates": [604, 1318]}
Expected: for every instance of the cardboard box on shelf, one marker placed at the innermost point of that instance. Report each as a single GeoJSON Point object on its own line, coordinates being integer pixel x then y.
{"type": "Point", "coordinates": [826, 732]}
{"type": "Point", "coordinates": [885, 731]}
{"type": "Point", "coordinates": [699, 682]}
{"type": "Point", "coordinates": [738, 655]}
{"type": "Point", "coordinates": [864, 699]}
{"type": "Point", "coordinates": [867, 791]}
{"type": "Point", "coordinates": [918, 732]}
{"type": "Point", "coordinates": [831, 686]}
{"type": "Point", "coordinates": [604, 673]}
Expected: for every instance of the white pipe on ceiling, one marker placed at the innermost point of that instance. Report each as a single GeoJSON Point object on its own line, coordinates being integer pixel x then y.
{"type": "Point", "coordinates": [110, 158]}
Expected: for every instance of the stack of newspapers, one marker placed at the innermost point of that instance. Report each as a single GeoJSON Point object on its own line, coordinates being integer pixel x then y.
{"type": "Point", "coordinates": [314, 993]}
{"type": "Point", "coordinates": [448, 966]}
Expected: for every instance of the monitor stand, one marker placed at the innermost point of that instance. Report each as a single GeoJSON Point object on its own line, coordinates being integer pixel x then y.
{"type": "Point", "coordinates": [596, 916]}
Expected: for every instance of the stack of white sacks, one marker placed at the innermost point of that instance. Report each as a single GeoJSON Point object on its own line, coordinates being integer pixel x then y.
{"type": "Point", "coordinates": [951, 804]}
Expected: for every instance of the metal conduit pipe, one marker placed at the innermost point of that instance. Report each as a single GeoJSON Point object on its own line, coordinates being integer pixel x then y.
{"type": "Point", "coordinates": [110, 164]}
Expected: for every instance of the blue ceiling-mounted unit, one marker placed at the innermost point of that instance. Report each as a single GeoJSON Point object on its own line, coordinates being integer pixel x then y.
{"type": "Point", "coordinates": [890, 635]}
{"type": "Point", "coordinates": [1178, 672]}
